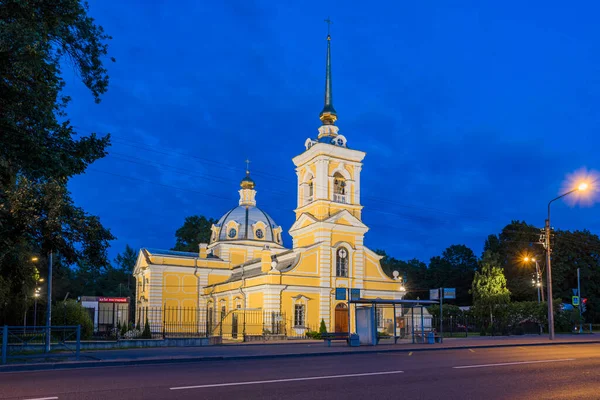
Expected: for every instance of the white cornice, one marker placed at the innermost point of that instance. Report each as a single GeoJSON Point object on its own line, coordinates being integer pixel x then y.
{"type": "Point", "coordinates": [329, 151]}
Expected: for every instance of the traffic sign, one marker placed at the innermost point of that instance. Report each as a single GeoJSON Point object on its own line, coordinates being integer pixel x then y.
{"type": "Point", "coordinates": [449, 293]}
{"type": "Point", "coordinates": [434, 294]}
{"type": "Point", "coordinates": [354, 294]}
{"type": "Point", "coordinates": [575, 300]}
{"type": "Point", "coordinates": [575, 292]}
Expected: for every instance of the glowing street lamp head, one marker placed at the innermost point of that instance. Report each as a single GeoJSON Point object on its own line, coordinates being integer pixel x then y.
{"type": "Point", "coordinates": [526, 259]}
{"type": "Point", "coordinates": [582, 186]}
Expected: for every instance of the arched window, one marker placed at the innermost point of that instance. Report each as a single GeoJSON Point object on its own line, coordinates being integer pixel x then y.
{"type": "Point", "coordinates": [339, 188]}
{"type": "Point", "coordinates": [341, 262]}
{"type": "Point", "coordinates": [309, 189]}
{"type": "Point", "coordinates": [339, 184]}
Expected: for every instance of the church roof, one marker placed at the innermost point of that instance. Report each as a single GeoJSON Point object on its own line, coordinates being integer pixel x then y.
{"type": "Point", "coordinates": [173, 253]}
{"type": "Point", "coordinates": [160, 252]}
{"type": "Point", "coordinates": [246, 218]}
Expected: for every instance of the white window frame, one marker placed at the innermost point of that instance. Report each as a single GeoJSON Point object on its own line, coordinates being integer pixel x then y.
{"type": "Point", "coordinates": [299, 315]}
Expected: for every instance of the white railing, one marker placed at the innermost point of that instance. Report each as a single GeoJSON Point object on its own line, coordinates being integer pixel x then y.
{"type": "Point", "coordinates": [339, 198]}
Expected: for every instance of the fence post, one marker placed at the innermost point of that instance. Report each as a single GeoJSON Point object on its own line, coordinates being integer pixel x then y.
{"type": "Point", "coordinates": [164, 321]}
{"type": "Point", "coordinates": [4, 344]}
{"type": "Point", "coordinates": [78, 343]}
{"type": "Point", "coordinates": [114, 327]}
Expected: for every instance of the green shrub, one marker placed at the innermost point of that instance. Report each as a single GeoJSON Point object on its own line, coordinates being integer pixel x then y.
{"type": "Point", "coordinates": [146, 333]}
{"type": "Point", "coordinates": [313, 335]}
{"type": "Point", "coordinates": [72, 313]}
{"type": "Point", "coordinates": [123, 329]}
{"type": "Point", "coordinates": [323, 327]}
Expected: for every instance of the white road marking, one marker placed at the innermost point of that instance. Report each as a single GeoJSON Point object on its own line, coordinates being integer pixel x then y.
{"type": "Point", "coordinates": [513, 363]}
{"type": "Point", "coordinates": [472, 351]}
{"type": "Point", "coordinates": [44, 398]}
{"type": "Point", "coordinates": [310, 378]}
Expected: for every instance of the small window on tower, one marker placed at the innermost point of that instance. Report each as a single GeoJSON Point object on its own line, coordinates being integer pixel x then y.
{"type": "Point", "coordinates": [259, 233]}
{"type": "Point", "coordinates": [232, 233]}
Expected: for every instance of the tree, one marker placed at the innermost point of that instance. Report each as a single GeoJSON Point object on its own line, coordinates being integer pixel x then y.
{"type": "Point", "coordinates": [572, 250]}
{"type": "Point", "coordinates": [489, 285]}
{"type": "Point", "coordinates": [516, 241]}
{"type": "Point", "coordinates": [454, 269]}
{"type": "Point", "coordinates": [40, 148]}
{"type": "Point", "coordinates": [195, 230]}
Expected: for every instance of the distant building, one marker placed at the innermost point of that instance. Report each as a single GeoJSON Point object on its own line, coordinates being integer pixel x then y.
{"type": "Point", "coordinates": [246, 266]}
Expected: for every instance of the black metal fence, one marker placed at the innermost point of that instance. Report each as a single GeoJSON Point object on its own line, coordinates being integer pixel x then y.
{"type": "Point", "coordinates": [236, 324]}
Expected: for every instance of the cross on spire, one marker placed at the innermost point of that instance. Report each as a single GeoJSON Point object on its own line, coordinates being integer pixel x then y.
{"type": "Point", "coordinates": [328, 115]}
{"type": "Point", "coordinates": [329, 22]}
{"type": "Point", "coordinates": [248, 167]}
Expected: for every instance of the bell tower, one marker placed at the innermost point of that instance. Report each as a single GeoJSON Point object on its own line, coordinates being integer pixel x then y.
{"type": "Point", "coordinates": [328, 170]}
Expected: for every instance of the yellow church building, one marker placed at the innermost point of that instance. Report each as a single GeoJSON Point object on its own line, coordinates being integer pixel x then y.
{"type": "Point", "coordinates": [245, 282]}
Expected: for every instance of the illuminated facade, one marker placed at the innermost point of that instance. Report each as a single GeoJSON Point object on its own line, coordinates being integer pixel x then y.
{"type": "Point", "coordinates": [246, 267]}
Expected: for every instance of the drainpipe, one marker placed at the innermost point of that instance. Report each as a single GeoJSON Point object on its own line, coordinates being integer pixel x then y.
{"type": "Point", "coordinates": [245, 304]}
{"type": "Point", "coordinates": [198, 294]}
{"type": "Point", "coordinates": [281, 295]}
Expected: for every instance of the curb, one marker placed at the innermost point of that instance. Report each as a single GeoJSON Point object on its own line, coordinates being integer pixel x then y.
{"type": "Point", "coordinates": [159, 361]}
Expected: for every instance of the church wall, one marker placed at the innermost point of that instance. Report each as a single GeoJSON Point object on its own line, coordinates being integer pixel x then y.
{"type": "Point", "coordinates": [310, 299]}
{"type": "Point", "coordinates": [337, 237]}
{"type": "Point", "coordinates": [213, 279]}
{"type": "Point", "coordinates": [180, 299]}
{"type": "Point", "coordinates": [238, 256]}
{"type": "Point", "coordinates": [308, 263]}
{"type": "Point", "coordinates": [254, 300]}
{"type": "Point", "coordinates": [305, 240]}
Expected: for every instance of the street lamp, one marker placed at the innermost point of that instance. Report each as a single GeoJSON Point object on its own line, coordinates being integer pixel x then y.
{"type": "Point", "coordinates": [538, 276]}
{"type": "Point", "coordinates": [580, 188]}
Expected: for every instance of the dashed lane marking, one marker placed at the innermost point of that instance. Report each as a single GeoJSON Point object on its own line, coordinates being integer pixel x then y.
{"type": "Point", "coordinates": [513, 363]}
{"type": "Point", "coordinates": [44, 398]}
{"type": "Point", "coordinates": [310, 378]}
{"type": "Point", "coordinates": [410, 354]}
{"type": "Point", "coordinates": [472, 351]}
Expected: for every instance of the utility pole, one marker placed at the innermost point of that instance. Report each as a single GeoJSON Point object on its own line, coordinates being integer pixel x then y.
{"type": "Point", "coordinates": [549, 278]}
{"type": "Point", "coordinates": [540, 280]}
{"type": "Point", "coordinates": [579, 306]}
{"type": "Point", "coordinates": [49, 305]}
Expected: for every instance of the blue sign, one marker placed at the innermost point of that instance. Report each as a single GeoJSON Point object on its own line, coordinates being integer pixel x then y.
{"type": "Point", "coordinates": [354, 294]}
{"type": "Point", "coordinates": [340, 293]}
{"type": "Point", "coordinates": [575, 300]}
{"type": "Point", "coordinates": [449, 293]}
{"type": "Point", "coordinates": [434, 294]}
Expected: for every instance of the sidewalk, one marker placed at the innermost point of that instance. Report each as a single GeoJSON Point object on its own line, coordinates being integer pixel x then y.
{"type": "Point", "coordinates": [285, 349]}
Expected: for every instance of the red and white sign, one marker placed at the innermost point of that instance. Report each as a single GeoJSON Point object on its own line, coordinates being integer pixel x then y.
{"type": "Point", "coordinates": [112, 300]}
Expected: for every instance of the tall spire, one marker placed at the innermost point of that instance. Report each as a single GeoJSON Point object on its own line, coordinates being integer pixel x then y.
{"type": "Point", "coordinates": [328, 115]}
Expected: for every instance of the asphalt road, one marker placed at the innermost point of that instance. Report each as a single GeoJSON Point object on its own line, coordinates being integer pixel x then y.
{"type": "Point", "coordinates": [541, 372]}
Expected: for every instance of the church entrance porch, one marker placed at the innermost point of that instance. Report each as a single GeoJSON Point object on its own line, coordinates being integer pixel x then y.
{"type": "Point", "coordinates": [341, 318]}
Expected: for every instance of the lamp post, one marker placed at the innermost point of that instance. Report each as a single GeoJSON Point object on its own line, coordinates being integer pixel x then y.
{"type": "Point", "coordinates": [582, 187]}
{"type": "Point", "coordinates": [538, 277]}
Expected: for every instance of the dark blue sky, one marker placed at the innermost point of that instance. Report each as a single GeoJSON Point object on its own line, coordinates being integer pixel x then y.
{"type": "Point", "coordinates": [471, 115]}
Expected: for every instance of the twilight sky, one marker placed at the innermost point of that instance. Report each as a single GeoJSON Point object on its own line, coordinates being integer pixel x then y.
{"type": "Point", "coordinates": [471, 115]}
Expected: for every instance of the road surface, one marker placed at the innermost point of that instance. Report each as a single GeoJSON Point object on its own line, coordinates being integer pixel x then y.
{"type": "Point", "coordinates": [541, 372]}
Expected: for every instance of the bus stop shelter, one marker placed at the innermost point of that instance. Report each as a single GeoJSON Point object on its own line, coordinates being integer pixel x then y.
{"type": "Point", "coordinates": [409, 319]}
